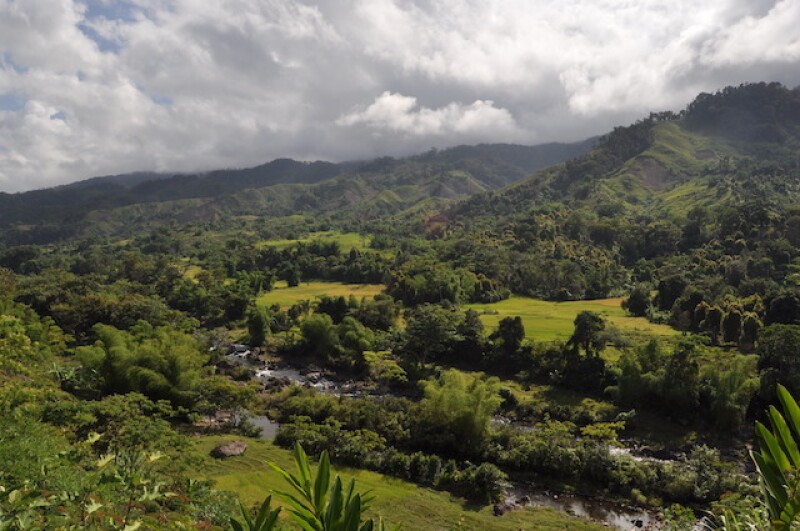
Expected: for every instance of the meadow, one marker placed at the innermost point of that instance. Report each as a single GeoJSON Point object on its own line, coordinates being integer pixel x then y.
{"type": "Point", "coordinates": [543, 320]}
{"type": "Point", "coordinates": [285, 296]}
{"type": "Point", "coordinates": [397, 501]}
{"type": "Point", "coordinates": [553, 321]}
{"type": "Point", "coordinates": [346, 240]}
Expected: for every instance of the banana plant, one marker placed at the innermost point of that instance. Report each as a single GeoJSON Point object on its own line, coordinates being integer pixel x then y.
{"type": "Point", "coordinates": [265, 520]}
{"type": "Point", "coordinates": [316, 503]}
{"type": "Point", "coordinates": [778, 462]}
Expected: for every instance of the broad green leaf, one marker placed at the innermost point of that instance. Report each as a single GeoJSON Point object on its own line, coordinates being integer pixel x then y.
{"type": "Point", "coordinates": [322, 482]}
{"type": "Point", "coordinates": [784, 437]}
{"type": "Point", "coordinates": [790, 409]}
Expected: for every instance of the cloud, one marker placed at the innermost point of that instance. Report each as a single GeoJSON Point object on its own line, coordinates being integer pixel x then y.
{"type": "Point", "coordinates": [90, 87]}
{"type": "Point", "coordinates": [395, 113]}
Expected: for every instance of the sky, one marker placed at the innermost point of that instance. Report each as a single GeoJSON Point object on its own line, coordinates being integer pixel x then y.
{"type": "Point", "coordinates": [98, 87]}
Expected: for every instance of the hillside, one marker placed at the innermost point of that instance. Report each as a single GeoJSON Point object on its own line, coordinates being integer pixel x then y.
{"type": "Point", "coordinates": [741, 141]}
{"type": "Point", "coordinates": [106, 204]}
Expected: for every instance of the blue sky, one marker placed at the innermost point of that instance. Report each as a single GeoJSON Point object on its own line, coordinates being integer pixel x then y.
{"type": "Point", "coordinates": [120, 10]}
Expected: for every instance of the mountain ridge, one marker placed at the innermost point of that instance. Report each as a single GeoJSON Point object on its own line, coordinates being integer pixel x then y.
{"type": "Point", "coordinates": [488, 165]}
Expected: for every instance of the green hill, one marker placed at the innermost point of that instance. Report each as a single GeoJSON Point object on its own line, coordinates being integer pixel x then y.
{"type": "Point", "coordinates": [123, 203]}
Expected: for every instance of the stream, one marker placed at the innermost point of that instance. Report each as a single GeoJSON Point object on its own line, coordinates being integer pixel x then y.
{"type": "Point", "coordinates": [614, 515]}
{"type": "Point", "coordinates": [312, 379]}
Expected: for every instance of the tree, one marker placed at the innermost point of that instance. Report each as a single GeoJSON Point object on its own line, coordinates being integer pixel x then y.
{"type": "Point", "coordinates": [784, 308]}
{"type": "Point", "coordinates": [638, 303]}
{"type": "Point", "coordinates": [779, 362]}
{"type": "Point", "coordinates": [699, 315]}
{"type": "Point", "coordinates": [383, 369]}
{"type": "Point", "coordinates": [454, 415]}
{"type": "Point", "coordinates": [160, 363]}
{"type": "Point", "coordinates": [431, 332]}
{"type": "Point", "coordinates": [509, 334]}
{"type": "Point", "coordinates": [750, 330]}
{"type": "Point", "coordinates": [473, 342]}
{"type": "Point", "coordinates": [587, 334]}
{"type": "Point", "coordinates": [731, 392]}
{"type": "Point", "coordinates": [669, 289]}
{"type": "Point", "coordinates": [292, 276]}
{"type": "Point", "coordinates": [355, 338]}
{"type": "Point", "coordinates": [380, 313]}
{"type": "Point", "coordinates": [336, 307]}
{"type": "Point", "coordinates": [680, 384]}
{"type": "Point", "coordinates": [641, 374]}
{"type": "Point", "coordinates": [732, 326]}
{"type": "Point", "coordinates": [320, 336]}
{"type": "Point", "coordinates": [713, 323]}
{"type": "Point", "coordinates": [257, 326]}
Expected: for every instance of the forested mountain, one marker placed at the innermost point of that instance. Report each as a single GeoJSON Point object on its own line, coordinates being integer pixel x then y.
{"type": "Point", "coordinates": [44, 215]}
{"type": "Point", "coordinates": [739, 142]}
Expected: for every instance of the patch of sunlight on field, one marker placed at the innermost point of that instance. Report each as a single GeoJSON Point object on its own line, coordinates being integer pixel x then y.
{"type": "Point", "coordinates": [285, 296]}
{"type": "Point", "coordinates": [553, 321]}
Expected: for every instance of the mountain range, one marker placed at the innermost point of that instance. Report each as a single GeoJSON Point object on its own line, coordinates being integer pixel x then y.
{"type": "Point", "coordinates": [741, 142]}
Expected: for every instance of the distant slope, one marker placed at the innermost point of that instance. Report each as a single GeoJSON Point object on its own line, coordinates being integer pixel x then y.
{"type": "Point", "coordinates": [64, 203]}
{"type": "Point", "coordinates": [738, 145]}
{"type": "Point", "coordinates": [280, 187]}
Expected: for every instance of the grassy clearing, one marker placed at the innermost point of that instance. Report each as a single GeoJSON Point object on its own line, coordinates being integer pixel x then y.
{"type": "Point", "coordinates": [346, 240]}
{"type": "Point", "coordinates": [399, 502]}
{"type": "Point", "coordinates": [543, 320]}
{"type": "Point", "coordinates": [553, 321]}
{"type": "Point", "coordinates": [680, 200]}
{"type": "Point", "coordinates": [286, 296]}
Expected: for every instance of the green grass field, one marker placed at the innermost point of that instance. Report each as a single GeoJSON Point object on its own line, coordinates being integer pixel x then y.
{"type": "Point", "coordinates": [543, 320]}
{"type": "Point", "coordinates": [346, 240]}
{"type": "Point", "coordinates": [286, 296]}
{"type": "Point", "coordinates": [397, 501]}
{"type": "Point", "coordinates": [553, 321]}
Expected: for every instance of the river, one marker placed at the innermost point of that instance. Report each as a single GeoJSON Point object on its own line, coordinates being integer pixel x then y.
{"type": "Point", "coordinates": [612, 514]}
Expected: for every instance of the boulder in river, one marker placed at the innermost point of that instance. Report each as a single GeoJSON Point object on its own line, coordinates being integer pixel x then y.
{"type": "Point", "coordinates": [229, 449]}
{"type": "Point", "coordinates": [504, 507]}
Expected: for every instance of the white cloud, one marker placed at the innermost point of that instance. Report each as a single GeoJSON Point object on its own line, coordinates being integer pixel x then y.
{"type": "Point", "coordinates": [188, 85]}
{"type": "Point", "coordinates": [397, 113]}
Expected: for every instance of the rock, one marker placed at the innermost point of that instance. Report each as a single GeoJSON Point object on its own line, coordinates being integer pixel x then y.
{"type": "Point", "coordinates": [277, 383]}
{"type": "Point", "coordinates": [230, 449]}
{"type": "Point", "coordinates": [525, 500]}
{"type": "Point", "coordinates": [502, 508]}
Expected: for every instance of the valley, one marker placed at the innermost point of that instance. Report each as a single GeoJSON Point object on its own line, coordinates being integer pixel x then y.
{"type": "Point", "coordinates": [565, 336]}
